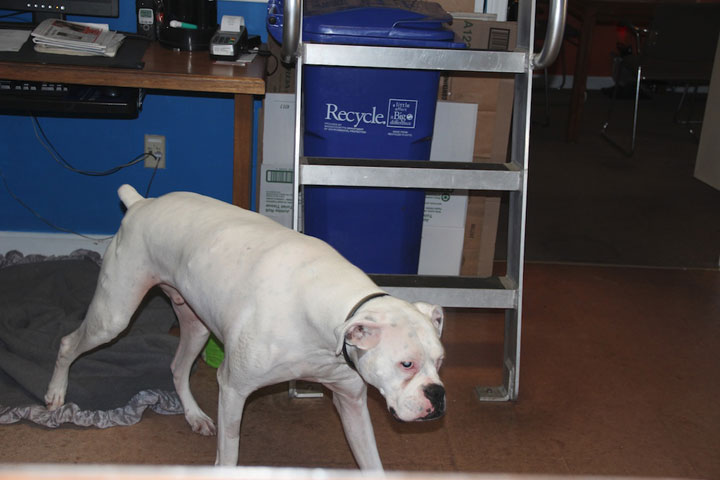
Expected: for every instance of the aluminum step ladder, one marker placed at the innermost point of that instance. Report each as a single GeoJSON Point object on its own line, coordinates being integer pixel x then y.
{"type": "Point", "coordinates": [500, 292]}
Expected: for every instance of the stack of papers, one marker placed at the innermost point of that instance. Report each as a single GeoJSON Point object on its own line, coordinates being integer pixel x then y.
{"type": "Point", "coordinates": [72, 38]}
{"type": "Point", "coordinates": [12, 40]}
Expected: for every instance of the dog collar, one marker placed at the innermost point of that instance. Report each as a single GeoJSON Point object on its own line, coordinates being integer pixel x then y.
{"type": "Point", "coordinates": [353, 311]}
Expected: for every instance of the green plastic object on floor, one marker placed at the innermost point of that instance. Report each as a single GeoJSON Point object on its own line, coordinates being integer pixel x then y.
{"type": "Point", "coordinates": [214, 352]}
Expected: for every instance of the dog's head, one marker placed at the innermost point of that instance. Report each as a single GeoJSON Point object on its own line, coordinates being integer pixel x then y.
{"type": "Point", "coordinates": [396, 347]}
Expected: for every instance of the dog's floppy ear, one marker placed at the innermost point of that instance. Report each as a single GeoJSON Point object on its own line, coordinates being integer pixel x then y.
{"type": "Point", "coordinates": [435, 312]}
{"type": "Point", "coordinates": [361, 331]}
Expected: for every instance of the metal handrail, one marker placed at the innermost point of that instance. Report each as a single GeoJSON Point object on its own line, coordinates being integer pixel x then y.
{"type": "Point", "coordinates": [553, 36]}
{"type": "Point", "coordinates": [292, 13]}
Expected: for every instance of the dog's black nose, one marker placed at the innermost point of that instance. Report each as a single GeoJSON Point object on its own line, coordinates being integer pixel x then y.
{"type": "Point", "coordinates": [436, 394]}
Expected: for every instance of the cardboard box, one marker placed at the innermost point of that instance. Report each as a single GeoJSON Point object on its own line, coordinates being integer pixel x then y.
{"type": "Point", "coordinates": [444, 219]}
{"type": "Point", "coordinates": [479, 33]}
{"type": "Point", "coordinates": [493, 95]}
{"type": "Point", "coordinates": [478, 255]}
{"type": "Point", "coordinates": [459, 5]}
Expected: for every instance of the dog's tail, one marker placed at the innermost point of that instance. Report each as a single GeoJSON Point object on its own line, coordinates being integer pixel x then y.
{"type": "Point", "coordinates": [128, 195]}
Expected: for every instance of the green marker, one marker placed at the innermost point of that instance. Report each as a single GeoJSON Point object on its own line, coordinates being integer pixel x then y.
{"type": "Point", "coordinates": [179, 24]}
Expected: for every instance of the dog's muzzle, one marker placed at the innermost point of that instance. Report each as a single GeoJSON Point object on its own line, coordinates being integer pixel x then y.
{"type": "Point", "coordinates": [436, 394]}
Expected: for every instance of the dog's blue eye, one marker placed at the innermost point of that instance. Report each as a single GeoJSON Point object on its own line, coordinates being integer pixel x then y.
{"type": "Point", "coordinates": [406, 364]}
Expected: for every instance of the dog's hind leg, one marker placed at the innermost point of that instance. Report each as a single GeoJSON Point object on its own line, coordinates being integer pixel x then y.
{"type": "Point", "coordinates": [120, 289]}
{"type": "Point", "coordinates": [193, 336]}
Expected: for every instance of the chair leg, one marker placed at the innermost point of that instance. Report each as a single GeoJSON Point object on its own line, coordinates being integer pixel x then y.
{"type": "Point", "coordinates": [688, 121]}
{"type": "Point", "coordinates": [627, 151]}
{"type": "Point", "coordinates": [676, 116]}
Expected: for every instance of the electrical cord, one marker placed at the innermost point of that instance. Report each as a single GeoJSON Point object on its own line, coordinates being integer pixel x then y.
{"type": "Point", "coordinates": [152, 177]}
{"type": "Point", "coordinates": [268, 70]}
{"type": "Point", "coordinates": [50, 148]}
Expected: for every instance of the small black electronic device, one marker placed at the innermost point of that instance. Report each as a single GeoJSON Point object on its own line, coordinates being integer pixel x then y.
{"type": "Point", "coordinates": [69, 100]}
{"type": "Point", "coordinates": [228, 45]}
{"type": "Point", "coordinates": [231, 40]}
{"type": "Point", "coordinates": [146, 10]}
{"type": "Point", "coordinates": [60, 8]}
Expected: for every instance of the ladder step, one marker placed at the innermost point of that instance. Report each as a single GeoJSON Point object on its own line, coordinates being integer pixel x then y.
{"type": "Point", "coordinates": [410, 174]}
{"type": "Point", "coordinates": [452, 291]}
{"type": "Point", "coordinates": [414, 58]}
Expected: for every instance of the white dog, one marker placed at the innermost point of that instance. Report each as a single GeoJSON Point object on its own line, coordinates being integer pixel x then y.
{"type": "Point", "coordinates": [285, 305]}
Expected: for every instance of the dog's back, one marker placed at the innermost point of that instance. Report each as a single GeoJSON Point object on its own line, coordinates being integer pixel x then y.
{"type": "Point", "coordinates": [203, 241]}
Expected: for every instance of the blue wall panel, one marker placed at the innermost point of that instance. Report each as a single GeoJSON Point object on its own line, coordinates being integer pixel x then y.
{"type": "Point", "coordinates": [198, 131]}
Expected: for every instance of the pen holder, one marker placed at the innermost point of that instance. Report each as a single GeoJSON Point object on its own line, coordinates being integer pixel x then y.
{"type": "Point", "coordinates": [188, 24]}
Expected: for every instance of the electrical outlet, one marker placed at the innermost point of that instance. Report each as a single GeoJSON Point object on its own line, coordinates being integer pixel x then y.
{"type": "Point", "coordinates": [155, 144]}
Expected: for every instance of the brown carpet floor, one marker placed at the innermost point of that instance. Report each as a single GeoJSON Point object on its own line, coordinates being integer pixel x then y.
{"type": "Point", "coordinates": [619, 376]}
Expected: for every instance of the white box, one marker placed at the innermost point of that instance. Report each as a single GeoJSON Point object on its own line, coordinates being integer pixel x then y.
{"type": "Point", "coordinates": [279, 129]}
{"type": "Point", "coordinates": [276, 190]}
{"type": "Point", "coordinates": [444, 217]}
{"type": "Point", "coordinates": [276, 170]}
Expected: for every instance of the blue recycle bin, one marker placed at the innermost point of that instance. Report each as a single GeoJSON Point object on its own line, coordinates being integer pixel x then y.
{"type": "Point", "coordinates": [369, 113]}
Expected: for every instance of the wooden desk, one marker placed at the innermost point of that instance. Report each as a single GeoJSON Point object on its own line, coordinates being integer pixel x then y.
{"type": "Point", "coordinates": [172, 70]}
{"type": "Point", "coordinates": [591, 13]}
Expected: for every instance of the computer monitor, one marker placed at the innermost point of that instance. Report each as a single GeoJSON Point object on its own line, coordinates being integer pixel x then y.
{"type": "Point", "coordinates": [42, 9]}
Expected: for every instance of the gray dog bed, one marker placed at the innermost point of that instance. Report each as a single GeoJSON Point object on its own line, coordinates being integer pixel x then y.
{"type": "Point", "coordinates": [44, 298]}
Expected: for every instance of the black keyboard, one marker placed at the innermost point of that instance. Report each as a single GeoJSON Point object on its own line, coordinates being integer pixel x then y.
{"type": "Point", "coordinates": [59, 99]}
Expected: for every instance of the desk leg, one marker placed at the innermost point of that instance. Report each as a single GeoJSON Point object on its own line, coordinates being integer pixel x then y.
{"type": "Point", "coordinates": [577, 99]}
{"type": "Point", "coordinates": [242, 150]}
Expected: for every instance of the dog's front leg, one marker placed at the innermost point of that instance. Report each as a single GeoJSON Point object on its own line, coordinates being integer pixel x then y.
{"type": "Point", "coordinates": [350, 400]}
{"type": "Point", "coordinates": [231, 402]}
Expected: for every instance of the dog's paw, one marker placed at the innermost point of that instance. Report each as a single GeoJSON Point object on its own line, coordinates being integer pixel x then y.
{"type": "Point", "coordinates": [202, 424]}
{"type": "Point", "coordinates": [55, 396]}
{"type": "Point", "coordinates": [53, 401]}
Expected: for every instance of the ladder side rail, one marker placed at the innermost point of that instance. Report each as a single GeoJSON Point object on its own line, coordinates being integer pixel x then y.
{"type": "Point", "coordinates": [296, 55]}
{"type": "Point", "coordinates": [292, 52]}
{"type": "Point", "coordinates": [519, 156]}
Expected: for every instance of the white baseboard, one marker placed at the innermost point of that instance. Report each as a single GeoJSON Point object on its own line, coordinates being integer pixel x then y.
{"type": "Point", "coordinates": [38, 243]}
